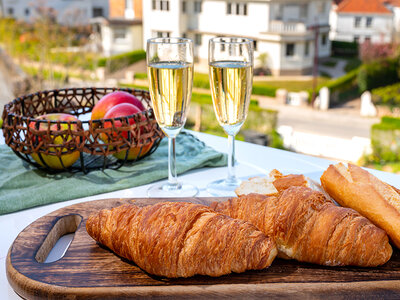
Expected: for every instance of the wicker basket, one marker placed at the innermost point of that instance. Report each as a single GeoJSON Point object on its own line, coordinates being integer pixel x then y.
{"type": "Point", "coordinates": [97, 141]}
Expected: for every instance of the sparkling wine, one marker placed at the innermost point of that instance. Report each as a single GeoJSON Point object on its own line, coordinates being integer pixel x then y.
{"type": "Point", "coordinates": [171, 89]}
{"type": "Point", "coordinates": [231, 83]}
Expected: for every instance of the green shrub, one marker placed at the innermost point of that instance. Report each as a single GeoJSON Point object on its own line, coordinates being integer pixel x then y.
{"type": "Point", "coordinates": [342, 88]}
{"type": "Point", "coordinates": [263, 89]}
{"type": "Point", "coordinates": [352, 64]}
{"type": "Point", "coordinates": [140, 76]}
{"type": "Point", "coordinates": [340, 48]}
{"type": "Point", "coordinates": [201, 80]}
{"type": "Point", "coordinates": [120, 61]}
{"type": "Point", "coordinates": [385, 140]}
{"type": "Point", "coordinates": [388, 95]}
{"type": "Point", "coordinates": [378, 73]}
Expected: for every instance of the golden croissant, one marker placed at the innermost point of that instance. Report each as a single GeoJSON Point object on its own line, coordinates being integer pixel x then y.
{"type": "Point", "coordinates": [310, 228]}
{"type": "Point", "coordinates": [182, 239]}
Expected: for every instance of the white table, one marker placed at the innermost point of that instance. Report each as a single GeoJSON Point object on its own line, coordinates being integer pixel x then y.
{"type": "Point", "coordinates": [253, 160]}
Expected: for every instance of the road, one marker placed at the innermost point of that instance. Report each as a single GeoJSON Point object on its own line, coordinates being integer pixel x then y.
{"type": "Point", "coordinates": [344, 122]}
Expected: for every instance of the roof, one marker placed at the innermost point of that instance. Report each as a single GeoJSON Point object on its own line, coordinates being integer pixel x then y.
{"type": "Point", "coordinates": [363, 6]}
{"type": "Point", "coordinates": [392, 2]}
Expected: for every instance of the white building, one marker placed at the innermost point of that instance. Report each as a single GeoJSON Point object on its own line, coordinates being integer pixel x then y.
{"type": "Point", "coordinates": [71, 12]}
{"type": "Point", "coordinates": [376, 21]}
{"type": "Point", "coordinates": [122, 30]}
{"type": "Point", "coordinates": [285, 30]}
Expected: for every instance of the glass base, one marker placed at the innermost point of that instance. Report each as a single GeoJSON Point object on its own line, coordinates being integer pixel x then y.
{"type": "Point", "coordinates": [223, 187]}
{"type": "Point", "coordinates": [166, 190]}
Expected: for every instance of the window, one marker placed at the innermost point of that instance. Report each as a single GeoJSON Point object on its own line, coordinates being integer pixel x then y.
{"type": "Point", "coordinates": [303, 11]}
{"type": "Point", "coordinates": [357, 21]}
{"type": "Point", "coordinates": [10, 11]}
{"type": "Point", "coordinates": [160, 5]}
{"type": "Point", "coordinates": [183, 6]}
{"type": "Point", "coordinates": [161, 34]}
{"type": "Point", "coordinates": [369, 22]}
{"type": "Point", "coordinates": [367, 39]}
{"type": "Point", "coordinates": [290, 49]}
{"type": "Point", "coordinates": [236, 9]}
{"type": "Point", "coordinates": [255, 45]}
{"type": "Point", "coordinates": [307, 49]}
{"type": "Point", "coordinates": [279, 12]}
{"type": "Point", "coordinates": [27, 11]}
{"type": "Point", "coordinates": [197, 6]}
{"type": "Point", "coordinates": [119, 34]}
{"type": "Point", "coordinates": [356, 39]}
{"type": "Point", "coordinates": [197, 39]}
{"type": "Point", "coordinates": [324, 39]}
{"type": "Point", "coordinates": [98, 12]}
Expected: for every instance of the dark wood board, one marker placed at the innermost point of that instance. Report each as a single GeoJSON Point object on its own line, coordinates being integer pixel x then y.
{"type": "Point", "coordinates": [88, 270]}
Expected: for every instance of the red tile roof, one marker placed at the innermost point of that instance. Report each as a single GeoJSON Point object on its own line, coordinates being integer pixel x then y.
{"type": "Point", "coordinates": [363, 6]}
{"type": "Point", "coordinates": [392, 2]}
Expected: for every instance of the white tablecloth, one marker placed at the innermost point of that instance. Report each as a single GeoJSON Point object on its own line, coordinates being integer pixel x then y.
{"type": "Point", "coordinates": [252, 160]}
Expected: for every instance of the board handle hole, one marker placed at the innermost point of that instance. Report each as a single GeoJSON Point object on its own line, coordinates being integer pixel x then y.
{"type": "Point", "coordinates": [59, 239]}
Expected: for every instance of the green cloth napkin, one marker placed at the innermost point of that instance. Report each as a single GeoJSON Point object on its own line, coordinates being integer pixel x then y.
{"type": "Point", "coordinates": [23, 186]}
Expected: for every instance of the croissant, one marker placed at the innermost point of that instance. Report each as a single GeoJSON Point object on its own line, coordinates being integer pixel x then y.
{"type": "Point", "coordinates": [310, 228]}
{"type": "Point", "coordinates": [182, 239]}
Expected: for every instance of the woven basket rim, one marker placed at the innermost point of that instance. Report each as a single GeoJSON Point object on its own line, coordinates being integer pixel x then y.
{"type": "Point", "coordinates": [87, 133]}
{"type": "Point", "coordinates": [21, 98]}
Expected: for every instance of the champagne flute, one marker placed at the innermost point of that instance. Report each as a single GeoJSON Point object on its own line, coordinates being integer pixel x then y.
{"type": "Point", "coordinates": [230, 61]}
{"type": "Point", "coordinates": [170, 71]}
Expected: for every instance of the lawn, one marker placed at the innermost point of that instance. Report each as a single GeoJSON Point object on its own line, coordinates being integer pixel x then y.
{"type": "Point", "coordinates": [293, 86]}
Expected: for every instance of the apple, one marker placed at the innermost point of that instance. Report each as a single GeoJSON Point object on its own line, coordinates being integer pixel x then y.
{"type": "Point", "coordinates": [53, 161]}
{"type": "Point", "coordinates": [123, 110]}
{"type": "Point", "coordinates": [111, 100]}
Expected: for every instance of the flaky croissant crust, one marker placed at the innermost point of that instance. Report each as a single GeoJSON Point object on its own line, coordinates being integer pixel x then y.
{"type": "Point", "coordinates": [309, 228]}
{"type": "Point", "coordinates": [182, 239]}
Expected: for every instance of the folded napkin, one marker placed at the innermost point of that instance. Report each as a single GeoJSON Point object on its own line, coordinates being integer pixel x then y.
{"type": "Point", "coordinates": [23, 186]}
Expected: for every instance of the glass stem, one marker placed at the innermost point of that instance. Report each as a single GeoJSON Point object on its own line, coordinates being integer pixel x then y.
{"type": "Point", "coordinates": [172, 176]}
{"type": "Point", "coordinates": [231, 159]}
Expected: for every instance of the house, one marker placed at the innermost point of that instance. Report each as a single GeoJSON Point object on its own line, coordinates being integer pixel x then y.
{"type": "Point", "coordinates": [286, 34]}
{"type": "Point", "coordinates": [375, 21]}
{"type": "Point", "coordinates": [122, 30]}
{"type": "Point", "coordinates": [72, 12]}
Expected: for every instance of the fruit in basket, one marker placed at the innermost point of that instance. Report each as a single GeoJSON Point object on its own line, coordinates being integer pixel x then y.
{"type": "Point", "coordinates": [53, 161]}
{"type": "Point", "coordinates": [112, 99]}
{"type": "Point", "coordinates": [123, 110]}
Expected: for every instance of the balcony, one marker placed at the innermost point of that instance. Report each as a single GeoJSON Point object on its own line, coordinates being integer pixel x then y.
{"type": "Point", "coordinates": [281, 27]}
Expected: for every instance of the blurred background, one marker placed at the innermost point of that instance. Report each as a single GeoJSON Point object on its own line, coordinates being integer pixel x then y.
{"type": "Point", "coordinates": [326, 72]}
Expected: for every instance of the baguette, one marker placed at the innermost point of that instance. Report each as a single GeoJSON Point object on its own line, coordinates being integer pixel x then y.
{"type": "Point", "coordinates": [356, 188]}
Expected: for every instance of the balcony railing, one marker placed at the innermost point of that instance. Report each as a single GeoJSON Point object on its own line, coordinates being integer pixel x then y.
{"type": "Point", "coordinates": [287, 27]}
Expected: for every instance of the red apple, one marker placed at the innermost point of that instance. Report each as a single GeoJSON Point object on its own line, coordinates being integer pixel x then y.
{"type": "Point", "coordinates": [123, 110]}
{"type": "Point", "coordinates": [52, 161]}
{"type": "Point", "coordinates": [111, 100]}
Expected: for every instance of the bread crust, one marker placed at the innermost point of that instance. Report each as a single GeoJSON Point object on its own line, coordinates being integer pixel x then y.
{"type": "Point", "coordinates": [177, 239]}
{"type": "Point", "coordinates": [356, 188]}
{"type": "Point", "coordinates": [309, 227]}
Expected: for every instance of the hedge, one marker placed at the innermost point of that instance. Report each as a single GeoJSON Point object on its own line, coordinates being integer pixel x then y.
{"type": "Point", "coordinates": [385, 140]}
{"type": "Point", "coordinates": [120, 61]}
{"type": "Point", "coordinates": [388, 95]}
{"type": "Point", "coordinates": [342, 88]}
{"type": "Point", "coordinates": [340, 48]}
{"type": "Point", "coordinates": [378, 73]}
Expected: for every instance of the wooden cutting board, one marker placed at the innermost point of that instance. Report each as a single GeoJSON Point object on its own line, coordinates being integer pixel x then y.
{"type": "Point", "coordinates": [89, 270]}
